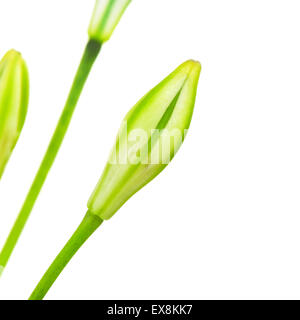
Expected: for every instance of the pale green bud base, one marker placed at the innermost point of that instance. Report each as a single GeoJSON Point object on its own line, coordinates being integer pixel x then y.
{"type": "Point", "coordinates": [90, 54]}
{"type": "Point", "coordinates": [106, 16]}
{"type": "Point", "coordinates": [88, 226]}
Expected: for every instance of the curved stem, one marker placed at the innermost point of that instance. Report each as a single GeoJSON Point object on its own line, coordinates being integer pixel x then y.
{"type": "Point", "coordinates": [87, 227]}
{"type": "Point", "coordinates": [90, 54]}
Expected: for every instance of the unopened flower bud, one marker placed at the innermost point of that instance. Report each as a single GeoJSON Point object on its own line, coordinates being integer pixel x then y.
{"type": "Point", "coordinates": [14, 93]}
{"type": "Point", "coordinates": [151, 134]}
{"type": "Point", "coordinates": [106, 15]}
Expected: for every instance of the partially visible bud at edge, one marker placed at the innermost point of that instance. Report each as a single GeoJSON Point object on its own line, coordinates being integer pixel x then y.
{"type": "Point", "coordinates": [106, 16]}
{"type": "Point", "coordinates": [14, 94]}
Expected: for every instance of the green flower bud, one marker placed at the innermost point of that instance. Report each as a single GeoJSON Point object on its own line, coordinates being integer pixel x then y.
{"type": "Point", "coordinates": [151, 134]}
{"type": "Point", "coordinates": [14, 94]}
{"type": "Point", "coordinates": [106, 15]}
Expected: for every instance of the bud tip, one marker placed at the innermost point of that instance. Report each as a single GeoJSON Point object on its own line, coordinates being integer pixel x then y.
{"type": "Point", "coordinates": [192, 65]}
{"type": "Point", "coordinates": [12, 53]}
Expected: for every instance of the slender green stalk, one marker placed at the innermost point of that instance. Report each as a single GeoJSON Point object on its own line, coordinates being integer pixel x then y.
{"type": "Point", "coordinates": [90, 54]}
{"type": "Point", "coordinates": [87, 227]}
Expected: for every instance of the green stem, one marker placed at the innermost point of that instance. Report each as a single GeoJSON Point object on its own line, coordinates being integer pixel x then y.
{"type": "Point", "coordinates": [90, 54]}
{"type": "Point", "coordinates": [87, 227]}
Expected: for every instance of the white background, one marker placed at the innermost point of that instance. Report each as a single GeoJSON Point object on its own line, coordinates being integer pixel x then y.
{"type": "Point", "coordinates": [223, 220]}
